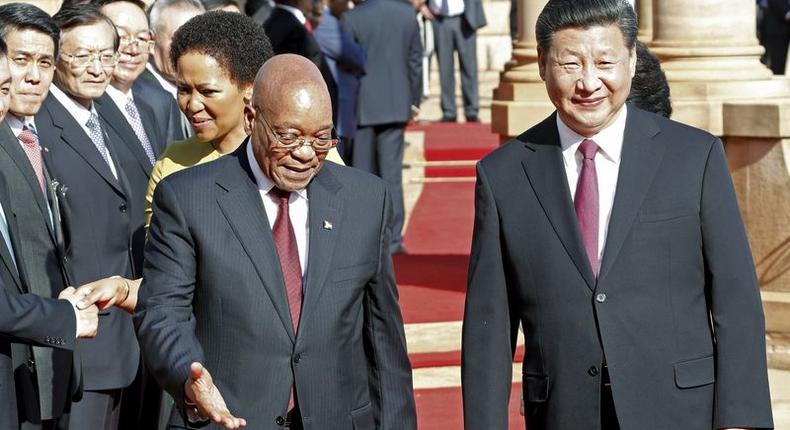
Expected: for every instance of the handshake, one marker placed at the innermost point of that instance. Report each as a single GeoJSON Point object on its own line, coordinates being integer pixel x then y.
{"type": "Point", "coordinates": [90, 298]}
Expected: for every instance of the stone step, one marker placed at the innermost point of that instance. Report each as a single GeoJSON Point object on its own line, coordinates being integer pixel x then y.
{"type": "Point", "coordinates": [777, 311]}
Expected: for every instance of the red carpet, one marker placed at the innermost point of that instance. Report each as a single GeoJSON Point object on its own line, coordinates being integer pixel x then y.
{"type": "Point", "coordinates": [457, 141]}
{"type": "Point", "coordinates": [441, 409]}
{"type": "Point", "coordinates": [432, 276]}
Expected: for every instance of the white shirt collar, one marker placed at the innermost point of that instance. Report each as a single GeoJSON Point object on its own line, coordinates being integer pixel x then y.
{"type": "Point", "coordinates": [118, 96]}
{"type": "Point", "coordinates": [609, 140]}
{"type": "Point", "coordinates": [78, 111]}
{"type": "Point", "coordinates": [17, 124]}
{"type": "Point", "coordinates": [264, 183]}
{"type": "Point", "coordinates": [294, 11]}
{"type": "Point", "coordinates": [170, 88]}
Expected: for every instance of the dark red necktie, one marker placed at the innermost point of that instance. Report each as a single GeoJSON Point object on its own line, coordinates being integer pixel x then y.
{"type": "Point", "coordinates": [285, 241]}
{"type": "Point", "coordinates": [33, 151]}
{"type": "Point", "coordinates": [308, 26]}
{"type": "Point", "coordinates": [585, 202]}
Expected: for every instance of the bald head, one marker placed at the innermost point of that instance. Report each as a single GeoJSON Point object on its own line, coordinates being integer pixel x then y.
{"type": "Point", "coordinates": [291, 80]}
{"type": "Point", "coordinates": [290, 103]}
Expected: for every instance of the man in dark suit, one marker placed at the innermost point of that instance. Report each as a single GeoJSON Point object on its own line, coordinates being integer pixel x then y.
{"type": "Point", "coordinates": [30, 396]}
{"type": "Point", "coordinates": [775, 33]}
{"type": "Point", "coordinates": [291, 33]}
{"type": "Point", "coordinates": [165, 17]}
{"type": "Point", "coordinates": [455, 25]}
{"type": "Point", "coordinates": [389, 93]}
{"type": "Point", "coordinates": [613, 236]}
{"type": "Point", "coordinates": [229, 246]}
{"type": "Point", "coordinates": [102, 211]}
{"type": "Point", "coordinates": [150, 112]}
{"type": "Point", "coordinates": [43, 375]}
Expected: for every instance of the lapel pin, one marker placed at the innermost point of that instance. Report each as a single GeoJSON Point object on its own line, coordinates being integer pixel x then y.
{"type": "Point", "coordinates": [327, 225]}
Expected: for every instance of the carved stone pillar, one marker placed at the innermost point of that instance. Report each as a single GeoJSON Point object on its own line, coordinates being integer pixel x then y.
{"type": "Point", "coordinates": [644, 10]}
{"type": "Point", "coordinates": [520, 99]}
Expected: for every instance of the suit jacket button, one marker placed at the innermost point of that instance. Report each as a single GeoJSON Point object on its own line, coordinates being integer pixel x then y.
{"type": "Point", "coordinates": [122, 208]}
{"type": "Point", "coordinates": [600, 298]}
{"type": "Point", "coordinates": [279, 421]}
{"type": "Point", "coordinates": [297, 357]}
{"type": "Point", "coordinates": [31, 363]}
{"type": "Point", "coordinates": [593, 371]}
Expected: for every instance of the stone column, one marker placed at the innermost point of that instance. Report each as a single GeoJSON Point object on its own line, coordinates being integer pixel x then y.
{"type": "Point", "coordinates": [644, 10]}
{"type": "Point", "coordinates": [520, 99]}
{"type": "Point", "coordinates": [696, 37]}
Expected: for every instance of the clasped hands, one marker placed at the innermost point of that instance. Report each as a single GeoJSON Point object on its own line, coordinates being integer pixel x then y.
{"type": "Point", "coordinates": [87, 316]}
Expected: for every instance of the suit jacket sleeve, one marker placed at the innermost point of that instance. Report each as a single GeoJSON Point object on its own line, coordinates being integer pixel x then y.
{"type": "Point", "coordinates": [489, 331]}
{"type": "Point", "coordinates": [415, 65]}
{"type": "Point", "coordinates": [742, 398]}
{"type": "Point", "coordinates": [39, 321]}
{"type": "Point", "coordinates": [164, 320]}
{"type": "Point", "coordinates": [391, 389]}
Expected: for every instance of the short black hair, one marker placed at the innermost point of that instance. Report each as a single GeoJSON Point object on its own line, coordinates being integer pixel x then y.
{"type": "Point", "coordinates": [138, 3]}
{"type": "Point", "coordinates": [3, 47]}
{"type": "Point", "coordinates": [25, 16]}
{"type": "Point", "coordinates": [216, 4]}
{"type": "Point", "coordinates": [237, 42]}
{"type": "Point", "coordinates": [77, 15]}
{"type": "Point", "coordinates": [649, 87]}
{"type": "Point", "coordinates": [561, 14]}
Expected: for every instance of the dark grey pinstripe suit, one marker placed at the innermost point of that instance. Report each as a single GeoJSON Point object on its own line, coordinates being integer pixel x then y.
{"type": "Point", "coordinates": [213, 292]}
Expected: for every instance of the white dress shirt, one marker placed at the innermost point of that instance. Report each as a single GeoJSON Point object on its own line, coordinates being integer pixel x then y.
{"type": "Point", "coordinates": [607, 166]}
{"type": "Point", "coordinates": [294, 11]}
{"type": "Point", "coordinates": [170, 88]}
{"type": "Point", "coordinates": [82, 115]}
{"type": "Point", "coordinates": [453, 7]}
{"type": "Point", "coordinates": [120, 100]}
{"type": "Point", "coordinates": [298, 207]}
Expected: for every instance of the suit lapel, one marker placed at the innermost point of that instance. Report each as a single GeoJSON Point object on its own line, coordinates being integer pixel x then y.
{"type": "Point", "coordinates": [148, 118]}
{"type": "Point", "coordinates": [10, 145]}
{"type": "Point", "coordinates": [325, 210]}
{"type": "Point", "coordinates": [545, 170]}
{"type": "Point", "coordinates": [639, 162]}
{"type": "Point", "coordinates": [113, 117]}
{"type": "Point", "coordinates": [5, 253]}
{"type": "Point", "coordinates": [73, 135]}
{"type": "Point", "coordinates": [240, 202]}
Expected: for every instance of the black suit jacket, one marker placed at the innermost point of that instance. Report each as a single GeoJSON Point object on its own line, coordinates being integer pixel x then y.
{"type": "Point", "coordinates": [675, 311]}
{"type": "Point", "coordinates": [289, 36]}
{"type": "Point", "coordinates": [213, 292]}
{"type": "Point", "coordinates": [393, 79]}
{"type": "Point", "coordinates": [159, 112]}
{"type": "Point", "coordinates": [44, 387]}
{"type": "Point", "coordinates": [178, 127]}
{"type": "Point", "coordinates": [102, 216]}
{"type": "Point", "coordinates": [26, 320]}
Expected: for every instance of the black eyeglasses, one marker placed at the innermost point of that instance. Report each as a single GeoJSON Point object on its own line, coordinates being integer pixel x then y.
{"type": "Point", "coordinates": [290, 142]}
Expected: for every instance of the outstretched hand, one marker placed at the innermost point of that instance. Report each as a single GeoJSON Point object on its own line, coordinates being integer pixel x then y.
{"type": "Point", "coordinates": [205, 398]}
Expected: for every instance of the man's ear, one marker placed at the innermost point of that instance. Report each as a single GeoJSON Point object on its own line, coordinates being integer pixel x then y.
{"type": "Point", "coordinates": [632, 57]}
{"type": "Point", "coordinates": [249, 118]}
{"type": "Point", "coordinates": [247, 94]}
{"type": "Point", "coordinates": [542, 64]}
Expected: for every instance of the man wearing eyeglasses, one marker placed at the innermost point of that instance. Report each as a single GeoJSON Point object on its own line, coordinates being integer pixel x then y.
{"type": "Point", "coordinates": [101, 213]}
{"type": "Point", "coordinates": [268, 297]}
{"type": "Point", "coordinates": [141, 111]}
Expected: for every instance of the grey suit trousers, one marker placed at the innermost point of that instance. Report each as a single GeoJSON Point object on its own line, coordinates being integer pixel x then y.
{"type": "Point", "coordinates": [378, 149]}
{"type": "Point", "coordinates": [454, 34]}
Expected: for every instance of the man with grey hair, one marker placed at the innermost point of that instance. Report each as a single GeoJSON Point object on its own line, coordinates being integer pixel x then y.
{"type": "Point", "coordinates": [165, 17]}
{"type": "Point", "coordinates": [613, 236]}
